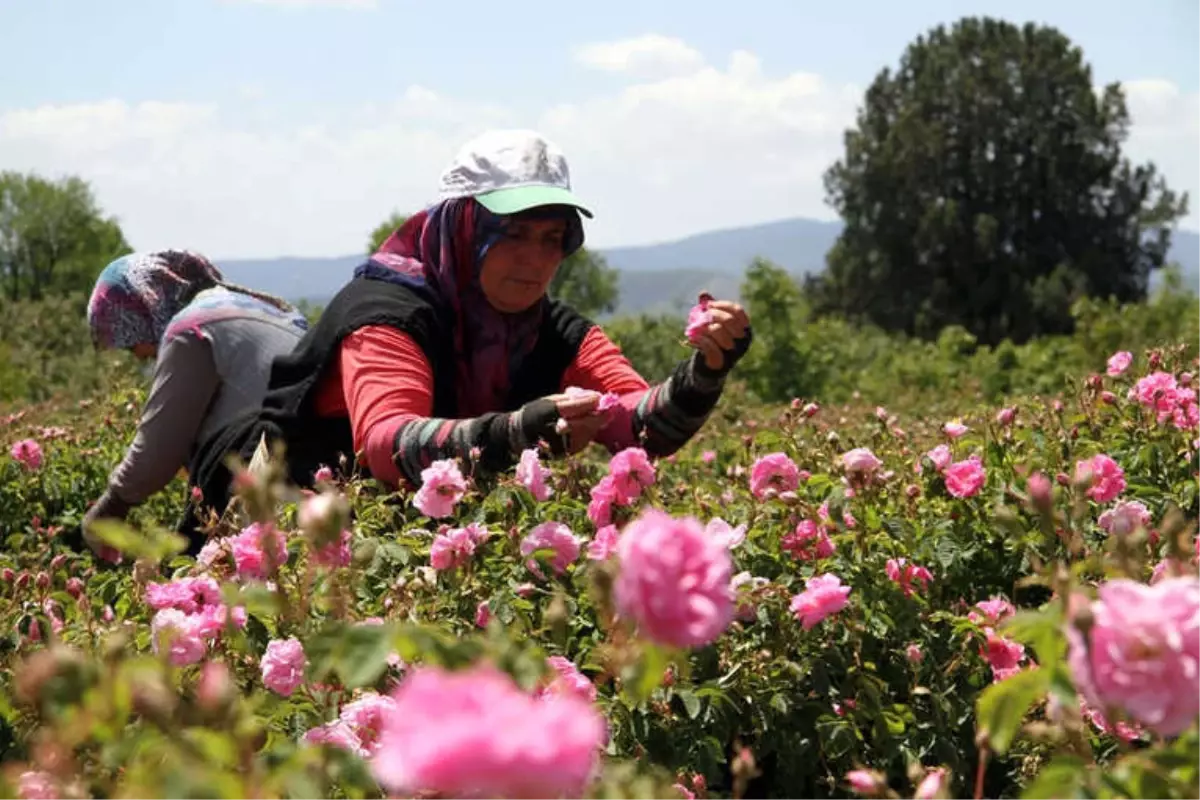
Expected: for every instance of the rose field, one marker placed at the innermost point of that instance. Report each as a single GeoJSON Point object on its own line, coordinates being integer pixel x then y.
{"type": "Point", "coordinates": [956, 594]}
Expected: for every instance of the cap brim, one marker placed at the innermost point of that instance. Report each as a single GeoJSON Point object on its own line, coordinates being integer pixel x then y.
{"type": "Point", "coordinates": [522, 198]}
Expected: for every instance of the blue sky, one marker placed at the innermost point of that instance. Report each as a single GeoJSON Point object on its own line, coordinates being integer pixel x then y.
{"type": "Point", "coordinates": [256, 127]}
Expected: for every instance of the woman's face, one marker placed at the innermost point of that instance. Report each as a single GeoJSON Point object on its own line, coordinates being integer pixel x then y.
{"type": "Point", "coordinates": [518, 268]}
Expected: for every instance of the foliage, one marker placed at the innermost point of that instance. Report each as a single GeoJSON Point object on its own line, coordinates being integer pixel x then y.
{"type": "Point", "coordinates": [984, 187]}
{"type": "Point", "coordinates": [385, 229]}
{"type": "Point", "coordinates": [585, 282]}
{"type": "Point", "coordinates": [53, 237]}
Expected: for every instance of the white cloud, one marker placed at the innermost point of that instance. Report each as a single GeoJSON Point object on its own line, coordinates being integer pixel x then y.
{"type": "Point", "coordinates": [660, 158]}
{"type": "Point", "coordinates": [651, 55]}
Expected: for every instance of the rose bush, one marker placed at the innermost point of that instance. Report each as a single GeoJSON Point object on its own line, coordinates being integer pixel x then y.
{"type": "Point", "coordinates": [813, 600]}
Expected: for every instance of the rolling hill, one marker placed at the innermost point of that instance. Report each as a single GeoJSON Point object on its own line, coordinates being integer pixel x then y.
{"type": "Point", "coordinates": [654, 277]}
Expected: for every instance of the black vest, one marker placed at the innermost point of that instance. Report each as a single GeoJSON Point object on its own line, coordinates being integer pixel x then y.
{"type": "Point", "coordinates": [288, 413]}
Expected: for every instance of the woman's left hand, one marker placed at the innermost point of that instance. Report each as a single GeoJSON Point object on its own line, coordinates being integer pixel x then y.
{"type": "Point", "coordinates": [725, 333]}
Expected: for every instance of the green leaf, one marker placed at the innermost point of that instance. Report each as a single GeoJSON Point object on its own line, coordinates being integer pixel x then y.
{"type": "Point", "coordinates": [1042, 631]}
{"type": "Point", "coordinates": [691, 703]}
{"type": "Point", "coordinates": [154, 544]}
{"type": "Point", "coordinates": [1062, 777]}
{"type": "Point", "coordinates": [1002, 705]}
{"type": "Point", "coordinates": [644, 675]}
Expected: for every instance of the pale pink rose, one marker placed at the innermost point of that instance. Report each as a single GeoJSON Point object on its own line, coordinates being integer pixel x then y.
{"type": "Point", "coordinates": [187, 645]}
{"type": "Point", "coordinates": [442, 486]}
{"type": "Point", "coordinates": [455, 547]}
{"type": "Point", "coordinates": [674, 580]}
{"type": "Point", "coordinates": [727, 535]}
{"type": "Point", "coordinates": [772, 475]}
{"type": "Point", "coordinates": [568, 679]}
{"type": "Point", "coordinates": [965, 478]}
{"type": "Point", "coordinates": [1124, 518]}
{"type": "Point", "coordinates": [474, 733]}
{"type": "Point", "coordinates": [216, 685]}
{"type": "Point", "coordinates": [283, 665]}
{"type": "Point", "coordinates": [708, 456]}
{"type": "Point", "coordinates": [335, 554]}
{"type": "Point", "coordinates": [551, 536]}
{"type": "Point", "coordinates": [1003, 655]}
{"type": "Point", "coordinates": [252, 547]}
{"type": "Point", "coordinates": [37, 786]}
{"type": "Point", "coordinates": [940, 456]}
{"type": "Point", "coordinates": [861, 462]}
{"type": "Point", "coordinates": [323, 474]}
{"type": "Point", "coordinates": [866, 782]}
{"type": "Point", "coordinates": [808, 542]}
{"type": "Point", "coordinates": [1142, 652]}
{"type": "Point", "coordinates": [823, 595]}
{"type": "Point", "coordinates": [603, 495]}
{"type": "Point", "coordinates": [1041, 490]}
{"type": "Point", "coordinates": [954, 429]}
{"type": "Point", "coordinates": [1119, 362]}
{"type": "Point", "coordinates": [631, 471]}
{"type": "Point", "coordinates": [483, 614]}
{"type": "Point", "coordinates": [1160, 392]}
{"type": "Point", "coordinates": [1104, 477]}
{"type": "Point", "coordinates": [336, 734]}
{"type": "Point", "coordinates": [1005, 416]}
{"type": "Point", "coordinates": [605, 543]}
{"type": "Point", "coordinates": [189, 595]}
{"type": "Point", "coordinates": [28, 454]}
{"type": "Point", "coordinates": [532, 475]}
{"type": "Point", "coordinates": [933, 785]}
{"type": "Point", "coordinates": [994, 610]}
{"type": "Point", "coordinates": [914, 654]}
{"type": "Point", "coordinates": [810, 409]}
{"type": "Point", "coordinates": [900, 572]}
{"type": "Point", "coordinates": [365, 716]}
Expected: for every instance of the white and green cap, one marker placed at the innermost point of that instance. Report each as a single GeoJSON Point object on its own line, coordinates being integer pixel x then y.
{"type": "Point", "coordinates": [509, 171]}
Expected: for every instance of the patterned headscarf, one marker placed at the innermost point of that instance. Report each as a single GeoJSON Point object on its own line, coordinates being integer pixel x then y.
{"type": "Point", "coordinates": [442, 248]}
{"type": "Point", "coordinates": [138, 294]}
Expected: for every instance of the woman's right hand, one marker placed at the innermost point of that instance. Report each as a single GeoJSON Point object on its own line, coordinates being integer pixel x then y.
{"type": "Point", "coordinates": [579, 414]}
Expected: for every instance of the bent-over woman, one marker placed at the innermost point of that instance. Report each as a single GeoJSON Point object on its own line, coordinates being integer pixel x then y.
{"type": "Point", "coordinates": [444, 343]}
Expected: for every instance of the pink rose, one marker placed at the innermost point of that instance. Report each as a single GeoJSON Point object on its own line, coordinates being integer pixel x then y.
{"type": "Point", "coordinates": [532, 475]}
{"type": "Point", "coordinates": [258, 551]}
{"type": "Point", "coordinates": [965, 478]}
{"type": "Point", "coordinates": [1104, 477]}
{"type": "Point", "coordinates": [283, 665]}
{"type": "Point", "coordinates": [1005, 416]}
{"type": "Point", "coordinates": [823, 595]}
{"type": "Point", "coordinates": [631, 471]}
{"type": "Point", "coordinates": [674, 580]}
{"type": "Point", "coordinates": [914, 654]}
{"type": "Point", "coordinates": [1142, 652]}
{"type": "Point", "coordinates": [1124, 518]}
{"type": "Point", "coordinates": [940, 456]}
{"type": "Point", "coordinates": [475, 733]}
{"type": "Point", "coordinates": [336, 734]}
{"type": "Point", "coordinates": [727, 535]}
{"type": "Point", "coordinates": [699, 318]}
{"type": "Point", "coordinates": [442, 486]}
{"type": "Point", "coordinates": [551, 536]}
{"type": "Point", "coordinates": [954, 429]}
{"type": "Point", "coordinates": [568, 680]}
{"type": "Point", "coordinates": [861, 462]}
{"type": "Point", "coordinates": [866, 782]}
{"type": "Point", "coordinates": [708, 456]}
{"type": "Point", "coordinates": [605, 543]}
{"type": "Point", "coordinates": [455, 547]}
{"type": "Point", "coordinates": [903, 574]}
{"type": "Point", "coordinates": [1119, 362]}
{"type": "Point", "coordinates": [365, 716]}
{"type": "Point", "coordinates": [604, 495]}
{"type": "Point", "coordinates": [772, 475]}
{"type": "Point", "coordinates": [994, 610]}
{"type": "Point", "coordinates": [186, 644]}
{"type": "Point", "coordinates": [933, 785]}
{"type": "Point", "coordinates": [1003, 655]}
{"type": "Point", "coordinates": [28, 454]}
{"type": "Point", "coordinates": [808, 542]}
{"type": "Point", "coordinates": [483, 614]}
{"type": "Point", "coordinates": [38, 786]}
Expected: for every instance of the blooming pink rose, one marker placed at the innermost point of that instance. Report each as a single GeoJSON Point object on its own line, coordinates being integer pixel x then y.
{"type": "Point", "coordinates": [335, 554]}
{"type": "Point", "coordinates": [568, 679]}
{"type": "Point", "coordinates": [631, 471]}
{"type": "Point", "coordinates": [727, 535]}
{"type": "Point", "coordinates": [551, 536]}
{"type": "Point", "coordinates": [1003, 655]}
{"type": "Point", "coordinates": [994, 610]}
{"type": "Point", "coordinates": [674, 580]}
{"type": "Point", "coordinates": [823, 595]}
{"type": "Point", "coordinates": [442, 486]}
{"type": "Point", "coordinates": [187, 645]}
{"type": "Point", "coordinates": [455, 547]}
{"type": "Point", "coordinates": [365, 716]}
{"type": "Point", "coordinates": [903, 574]}
{"type": "Point", "coordinates": [1124, 518]}
{"type": "Point", "coordinates": [940, 456]}
{"type": "Point", "coordinates": [251, 548]}
{"type": "Point", "coordinates": [954, 429]}
{"type": "Point", "coordinates": [1142, 652]}
{"type": "Point", "coordinates": [38, 786]}
{"type": "Point", "coordinates": [808, 542]}
{"type": "Point", "coordinates": [604, 495]}
{"type": "Point", "coordinates": [1104, 477]}
{"type": "Point", "coordinates": [283, 665]}
{"type": "Point", "coordinates": [1005, 416]}
{"type": "Point", "coordinates": [772, 475]}
{"type": "Point", "coordinates": [323, 474]}
{"type": "Point", "coordinates": [1160, 392]}
{"type": "Point", "coordinates": [605, 543]}
{"type": "Point", "coordinates": [861, 461]}
{"type": "Point", "coordinates": [965, 478]}
{"type": "Point", "coordinates": [337, 734]}
{"type": "Point", "coordinates": [1119, 362]}
{"type": "Point", "coordinates": [932, 785]}
{"type": "Point", "coordinates": [28, 454]}
{"type": "Point", "coordinates": [189, 595]}
{"type": "Point", "coordinates": [474, 733]}
{"type": "Point", "coordinates": [532, 475]}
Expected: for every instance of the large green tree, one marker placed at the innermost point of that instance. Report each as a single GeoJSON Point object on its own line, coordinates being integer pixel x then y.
{"type": "Point", "coordinates": [383, 230]}
{"type": "Point", "coordinates": [53, 236]}
{"type": "Point", "coordinates": [984, 185]}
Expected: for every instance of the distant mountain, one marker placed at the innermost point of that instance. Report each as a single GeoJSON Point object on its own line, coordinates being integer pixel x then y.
{"type": "Point", "coordinates": [655, 277]}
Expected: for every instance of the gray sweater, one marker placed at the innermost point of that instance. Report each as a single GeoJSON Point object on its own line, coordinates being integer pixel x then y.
{"type": "Point", "coordinates": [201, 382]}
